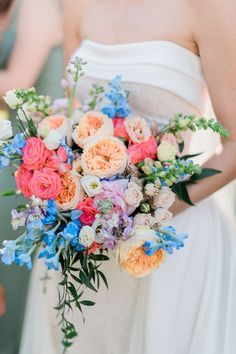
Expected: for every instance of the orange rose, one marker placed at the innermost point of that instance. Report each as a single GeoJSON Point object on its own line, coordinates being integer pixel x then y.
{"type": "Point", "coordinates": [132, 256]}
{"type": "Point", "coordinates": [92, 125]}
{"type": "Point", "coordinates": [104, 158]}
{"type": "Point", "coordinates": [71, 191]}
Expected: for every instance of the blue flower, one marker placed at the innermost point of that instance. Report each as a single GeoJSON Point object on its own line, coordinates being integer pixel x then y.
{"type": "Point", "coordinates": [17, 144]}
{"type": "Point", "coordinates": [49, 237]}
{"type": "Point", "coordinates": [34, 229]}
{"type": "Point", "coordinates": [8, 253]}
{"type": "Point", "coordinates": [70, 231]}
{"type": "Point", "coordinates": [51, 213]}
{"type": "Point", "coordinates": [24, 259]}
{"type": "Point", "coordinates": [151, 247]}
{"type": "Point", "coordinates": [75, 214]}
{"type": "Point", "coordinates": [4, 162]}
{"type": "Point", "coordinates": [118, 106]}
{"type": "Point", "coordinates": [52, 263]}
{"type": "Point", "coordinates": [70, 156]}
{"type": "Point", "coordinates": [48, 251]}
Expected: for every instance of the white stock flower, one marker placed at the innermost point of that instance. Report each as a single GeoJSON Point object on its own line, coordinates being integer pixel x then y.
{"type": "Point", "coordinates": [12, 100]}
{"type": "Point", "coordinates": [53, 140]}
{"type": "Point", "coordinates": [5, 129]}
{"type": "Point", "coordinates": [86, 236]}
{"type": "Point", "coordinates": [163, 216]}
{"type": "Point", "coordinates": [91, 185]}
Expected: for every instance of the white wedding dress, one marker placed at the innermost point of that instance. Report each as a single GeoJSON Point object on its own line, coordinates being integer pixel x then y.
{"type": "Point", "coordinates": [188, 306]}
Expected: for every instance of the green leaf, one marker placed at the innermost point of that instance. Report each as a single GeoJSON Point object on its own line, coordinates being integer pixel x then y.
{"type": "Point", "coordinates": [103, 277]}
{"type": "Point", "coordinates": [99, 257]}
{"type": "Point", "coordinates": [8, 193]}
{"type": "Point", "coordinates": [86, 281]}
{"type": "Point", "coordinates": [206, 172]}
{"type": "Point", "coordinates": [87, 303]}
{"type": "Point", "coordinates": [181, 147]}
{"type": "Point", "coordinates": [75, 278]}
{"type": "Point", "coordinates": [180, 189]}
{"type": "Point", "coordinates": [186, 157]}
{"type": "Point", "coordinates": [72, 290]}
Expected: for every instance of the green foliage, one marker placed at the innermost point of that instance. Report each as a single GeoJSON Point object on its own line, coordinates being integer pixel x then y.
{"type": "Point", "coordinates": [80, 271]}
{"type": "Point", "coordinates": [95, 93]}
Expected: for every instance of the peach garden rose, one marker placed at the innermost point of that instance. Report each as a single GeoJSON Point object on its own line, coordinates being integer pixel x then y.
{"type": "Point", "coordinates": [92, 125]}
{"type": "Point", "coordinates": [132, 256]}
{"type": "Point", "coordinates": [104, 158]}
{"type": "Point", "coordinates": [71, 191]}
{"type": "Point", "coordinates": [58, 123]}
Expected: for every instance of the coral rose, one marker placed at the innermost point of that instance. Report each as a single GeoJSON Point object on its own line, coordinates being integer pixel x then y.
{"type": "Point", "coordinates": [88, 211]}
{"type": "Point", "coordinates": [138, 152]}
{"type": "Point", "coordinates": [132, 256]}
{"type": "Point", "coordinates": [137, 130]}
{"type": "Point", "coordinates": [35, 154]}
{"type": "Point", "coordinates": [71, 191]}
{"type": "Point", "coordinates": [23, 178]}
{"type": "Point", "coordinates": [59, 123]}
{"type": "Point", "coordinates": [120, 130]}
{"type": "Point", "coordinates": [45, 184]}
{"type": "Point", "coordinates": [104, 158]}
{"type": "Point", "coordinates": [92, 125]}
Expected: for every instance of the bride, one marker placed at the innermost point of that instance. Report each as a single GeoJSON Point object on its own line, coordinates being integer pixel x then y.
{"type": "Point", "coordinates": [173, 55]}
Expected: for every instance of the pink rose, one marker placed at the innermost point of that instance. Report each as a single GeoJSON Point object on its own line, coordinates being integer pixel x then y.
{"type": "Point", "coordinates": [144, 220]}
{"type": "Point", "coordinates": [58, 161]}
{"type": "Point", "coordinates": [164, 199]}
{"type": "Point", "coordinates": [88, 210]}
{"type": "Point", "coordinates": [45, 184]}
{"type": "Point", "coordinates": [138, 152]}
{"type": "Point", "coordinates": [120, 130]}
{"type": "Point", "coordinates": [137, 129]}
{"type": "Point", "coordinates": [23, 178]}
{"type": "Point", "coordinates": [35, 154]}
{"type": "Point", "coordinates": [171, 139]}
{"type": "Point", "coordinates": [163, 217]}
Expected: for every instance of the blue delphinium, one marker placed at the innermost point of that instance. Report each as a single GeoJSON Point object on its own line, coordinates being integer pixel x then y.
{"type": "Point", "coordinates": [119, 106]}
{"type": "Point", "coordinates": [167, 239]}
{"type": "Point", "coordinates": [52, 262]}
{"type": "Point", "coordinates": [17, 144]}
{"type": "Point", "coordinates": [51, 213]}
{"type": "Point", "coordinates": [8, 253]}
{"type": "Point", "coordinates": [34, 229]}
{"type": "Point", "coordinates": [70, 232]}
{"type": "Point", "coordinates": [70, 155]}
{"type": "Point", "coordinates": [24, 259]}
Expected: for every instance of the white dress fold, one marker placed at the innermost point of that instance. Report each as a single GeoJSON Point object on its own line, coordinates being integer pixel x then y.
{"type": "Point", "coordinates": [188, 306]}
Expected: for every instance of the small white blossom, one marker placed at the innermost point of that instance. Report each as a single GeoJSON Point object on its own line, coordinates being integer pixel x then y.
{"type": "Point", "coordinates": [91, 185]}
{"type": "Point", "coordinates": [86, 236]}
{"type": "Point", "coordinates": [12, 100]}
{"type": "Point", "coordinates": [5, 129]}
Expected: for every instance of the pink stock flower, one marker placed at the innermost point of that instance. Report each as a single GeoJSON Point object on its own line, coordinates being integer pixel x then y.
{"type": "Point", "coordinates": [88, 210]}
{"type": "Point", "coordinates": [23, 178]}
{"type": "Point", "coordinates": [45, 184]}
{"type": "Point", "coordinates": [119, 128]}
{"type": "Point", "coordinates": [147, 149]}
{"type": "Point", "coordinates": [35, 154]}
{"type": "Point", "coordinates": [58, 161]}
{"type": "Point", "coordinates": [115, 191]}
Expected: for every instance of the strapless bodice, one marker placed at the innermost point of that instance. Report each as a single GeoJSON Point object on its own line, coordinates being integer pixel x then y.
{"type": "Point", "coordinates": [163, 77]}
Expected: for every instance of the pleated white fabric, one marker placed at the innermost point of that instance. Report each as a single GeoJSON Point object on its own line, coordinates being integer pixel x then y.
{"type": "Point", "coordinates": [188, 306]}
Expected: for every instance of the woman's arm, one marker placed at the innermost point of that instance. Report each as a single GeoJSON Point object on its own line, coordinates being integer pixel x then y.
{"type": "Point", "coordinates": [215, 34]}
{"type": "Point", "coordinates": [72, 12]}
{"type": "Point", "coordinates": [38, 31]}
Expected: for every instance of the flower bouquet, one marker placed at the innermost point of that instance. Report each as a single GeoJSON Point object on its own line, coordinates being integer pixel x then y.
{"type": "Point", "coordinates": [98, 181]}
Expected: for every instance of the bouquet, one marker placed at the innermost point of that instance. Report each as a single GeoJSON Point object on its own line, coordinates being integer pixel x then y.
{"type": "Point", "coordinates": [98, 182]}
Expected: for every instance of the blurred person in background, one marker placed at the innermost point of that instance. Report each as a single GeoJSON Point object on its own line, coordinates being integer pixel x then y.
{"type": "Point", "coordinates": [30, 55]}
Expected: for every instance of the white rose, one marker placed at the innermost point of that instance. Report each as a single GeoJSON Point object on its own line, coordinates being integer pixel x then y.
{"type": "Point", "coordinates": [53, 140]}
{"type": "Point", "coordinates": [150, 189]}
{"type": "Point", "coordinates": [163, 216]}
{"type": "Point", "coordinates": [166, 151]}
{"type": "Point", "coordinates": [133, 195]}
{"type": "Point", "coordinates": [91, 185]}
{"type": "Point", "coordinates": [5, 129]}
{"type": "Point", "coordinates": [86, 236]}
{"type": "Point", "coordinates": [12, 100]}
{"type": "Point", "coordinates": [164, 199]}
